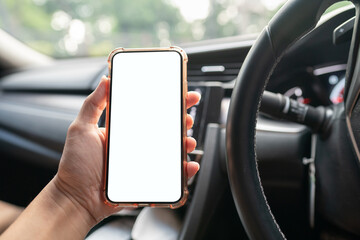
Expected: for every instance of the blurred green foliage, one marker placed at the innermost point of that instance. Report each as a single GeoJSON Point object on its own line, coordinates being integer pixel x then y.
{"type": "Point", "coordinates": [128, 23]}
{"type": "Point", "coordinates": [64, 28]}
{"type": "Point", "coordinates": [337, 5]}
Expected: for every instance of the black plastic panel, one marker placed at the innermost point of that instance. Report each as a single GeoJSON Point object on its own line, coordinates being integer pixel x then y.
{"type": "Point", "coordinates": [64, 75]}
{"type": "Point", "coordinates": [33, 126]}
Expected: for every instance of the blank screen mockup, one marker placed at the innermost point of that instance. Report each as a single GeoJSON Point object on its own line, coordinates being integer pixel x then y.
{"type": "Point", "coordinates": [145, 132]}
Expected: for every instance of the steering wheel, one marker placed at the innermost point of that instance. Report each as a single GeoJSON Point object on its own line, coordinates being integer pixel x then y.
{"type": "Point", "coordinates": [337, 150]}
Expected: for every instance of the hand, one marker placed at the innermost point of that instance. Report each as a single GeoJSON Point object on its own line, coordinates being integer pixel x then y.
{"type": "Point", "coordinates": [80, 172]}
{"type": "Point", "coordinates": [72, 203]}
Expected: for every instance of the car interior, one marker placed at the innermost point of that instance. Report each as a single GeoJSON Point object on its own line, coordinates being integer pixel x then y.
{"type": "Point", "coordinates": [311, 187]}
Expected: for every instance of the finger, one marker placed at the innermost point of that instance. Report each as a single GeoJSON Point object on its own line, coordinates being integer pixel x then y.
{"type": "Point", "coordinates": [192, 168]}
{"type": "Point", "coordinates": [94, 104]}
{"type": "Point", "coordinates": [192, 98]}
{"type": "Point", "coordinates": [190, 144]}
{"type": "Point", "coordinates": [189, 121]}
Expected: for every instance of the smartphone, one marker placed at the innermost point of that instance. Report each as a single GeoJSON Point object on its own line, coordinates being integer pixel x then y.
{"type": "Point", "coordinates": [145, 155]}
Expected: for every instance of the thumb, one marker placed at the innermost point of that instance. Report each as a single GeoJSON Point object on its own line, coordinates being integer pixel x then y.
{"type": "Point", "coordinates": [94, 104]}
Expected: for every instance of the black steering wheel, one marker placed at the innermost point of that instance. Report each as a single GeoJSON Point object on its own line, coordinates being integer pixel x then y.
{"type": "Point", "coordinates": [337, 154]}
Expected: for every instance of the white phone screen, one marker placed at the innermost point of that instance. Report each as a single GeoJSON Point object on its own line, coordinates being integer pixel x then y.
{"type": "Point", "coordinates": [145, 128]}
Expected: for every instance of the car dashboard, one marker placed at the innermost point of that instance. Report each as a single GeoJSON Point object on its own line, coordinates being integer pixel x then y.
{"type": "Point", "coordinates": [37, 106]}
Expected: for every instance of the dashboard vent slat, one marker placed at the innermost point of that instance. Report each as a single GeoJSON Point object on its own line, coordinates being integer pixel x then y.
{"type": "Point", "coordinates": [224, 72]}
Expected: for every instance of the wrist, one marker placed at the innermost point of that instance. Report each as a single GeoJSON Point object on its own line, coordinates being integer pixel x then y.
{"type": "Point", "coordinates": [51, 215]}
{"type": "Point", "coordinates": [69, 207]}
{"type": "Point", "coordinates": [65, 212]}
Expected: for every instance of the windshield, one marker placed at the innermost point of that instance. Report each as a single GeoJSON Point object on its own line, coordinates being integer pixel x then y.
{"type": "Point", "coordinates": [93, 28]}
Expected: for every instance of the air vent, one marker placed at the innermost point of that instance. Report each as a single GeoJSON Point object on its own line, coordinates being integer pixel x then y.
{"type": "Point", "coordinates": [224, 72]}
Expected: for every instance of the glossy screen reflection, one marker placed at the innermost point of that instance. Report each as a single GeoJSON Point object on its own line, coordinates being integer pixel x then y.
{"type": "Point", "coordinates": [144, 158]}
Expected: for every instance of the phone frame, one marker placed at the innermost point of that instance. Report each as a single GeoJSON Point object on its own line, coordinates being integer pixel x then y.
{"type": "Point", "coordinates": [184, 191]}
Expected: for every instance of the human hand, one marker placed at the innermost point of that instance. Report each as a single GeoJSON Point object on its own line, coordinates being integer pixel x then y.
{"type": "Point", "coordinates": [80, 171]}
{"type": "Point", "coordinates": [72, 203]}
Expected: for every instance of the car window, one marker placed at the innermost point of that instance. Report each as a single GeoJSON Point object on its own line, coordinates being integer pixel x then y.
{"type": "Point", "coordinates": [92, 28]}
